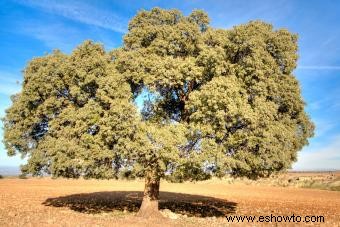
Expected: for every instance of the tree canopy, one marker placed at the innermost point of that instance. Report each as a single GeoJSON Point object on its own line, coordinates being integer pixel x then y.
{"type": "Point", "coordinates": [220, 101]}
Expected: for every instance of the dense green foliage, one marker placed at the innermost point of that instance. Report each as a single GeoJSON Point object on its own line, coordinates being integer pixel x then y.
{"type": "Point", "coordinates": [220, 101]}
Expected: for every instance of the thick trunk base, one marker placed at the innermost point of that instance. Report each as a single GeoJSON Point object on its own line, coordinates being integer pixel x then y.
{"type": "Point", "coordinates": [149, 207]}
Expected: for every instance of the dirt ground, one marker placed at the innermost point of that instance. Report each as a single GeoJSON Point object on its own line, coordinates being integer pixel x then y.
{"type": "Point", "coordinates": [61, 202]}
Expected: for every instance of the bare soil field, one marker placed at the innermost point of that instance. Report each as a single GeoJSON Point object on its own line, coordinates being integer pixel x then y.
{"type": "Point", "coordinates": [62, 202]}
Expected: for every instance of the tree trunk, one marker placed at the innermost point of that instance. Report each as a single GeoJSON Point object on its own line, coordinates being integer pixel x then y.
{"type": "Point", "coordinates": [149, 207]}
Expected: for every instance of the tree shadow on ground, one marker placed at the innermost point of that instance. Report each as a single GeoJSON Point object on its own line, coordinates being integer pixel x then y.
{"type": "Point", "coordinates": [191, 205]}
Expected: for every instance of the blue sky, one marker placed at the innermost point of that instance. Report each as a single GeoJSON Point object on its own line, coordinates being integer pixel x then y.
{"type": "Point", "coordinates": [35, 27]}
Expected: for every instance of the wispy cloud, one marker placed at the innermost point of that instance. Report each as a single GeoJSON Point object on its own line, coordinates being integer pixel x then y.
{"type": "Point", "coordinates": [330, 100]}
{"type": "Point", "coordinates": [53, 35]}
{"type": "Point", "coordinates": [80, 12]}
{"type": "Point", "coordinates": [320, 159]}
{"type": "Point", "coordinates": [319, 67]}
{"type": "Point", "coordinates": [9, 83]}
{"type": "Point", "coordinates": [323, 126]}
{"type": "Point", "coordinates": [57, 35]}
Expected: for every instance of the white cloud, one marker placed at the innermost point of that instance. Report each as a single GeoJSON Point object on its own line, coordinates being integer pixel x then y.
{"type": "Point", "coordinates": [81, 12]}
{"type": "Point", "coordinates": [326, 158]}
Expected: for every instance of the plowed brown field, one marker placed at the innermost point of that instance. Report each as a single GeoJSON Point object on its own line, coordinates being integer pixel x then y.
{"type": "Point", "coordinates": [48, 202]}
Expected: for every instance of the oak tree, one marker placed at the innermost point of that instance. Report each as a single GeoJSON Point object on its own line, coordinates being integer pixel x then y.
{"type": "Point", "coordinates": [179, 100]}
